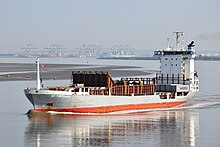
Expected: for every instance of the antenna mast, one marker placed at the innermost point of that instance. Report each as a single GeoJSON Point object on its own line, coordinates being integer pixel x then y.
{"type": "Point", "coordinates": [178, 34]}
{"type": "Point", "coordinates": [168, 42]}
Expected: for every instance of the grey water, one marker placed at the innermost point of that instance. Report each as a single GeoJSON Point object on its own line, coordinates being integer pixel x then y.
{"type": "Point", "coordinates": [195, 124]}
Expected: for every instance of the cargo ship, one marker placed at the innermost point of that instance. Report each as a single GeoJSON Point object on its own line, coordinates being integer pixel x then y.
{"type": "Point", "coordinates": [95, 92]}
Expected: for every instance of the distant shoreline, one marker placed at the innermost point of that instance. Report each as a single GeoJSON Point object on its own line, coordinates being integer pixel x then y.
{"type": "Point", "coordinates": [27, 72]}
{"type": "Point", "coordinates": [199, 58]}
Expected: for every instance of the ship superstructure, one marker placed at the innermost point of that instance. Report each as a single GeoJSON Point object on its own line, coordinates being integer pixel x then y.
{"type": "Point", "coordinates": [177, 68]}
{"type": "Point", "coordinates": [96, 92]}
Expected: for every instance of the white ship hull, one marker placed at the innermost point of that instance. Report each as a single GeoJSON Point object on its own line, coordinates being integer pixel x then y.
{"type": "Point", "coordinates": [47, 100]}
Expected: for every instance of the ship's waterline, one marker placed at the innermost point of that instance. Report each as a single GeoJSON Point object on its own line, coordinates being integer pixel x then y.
{"type": "Point", "coordinates": [107, 109]}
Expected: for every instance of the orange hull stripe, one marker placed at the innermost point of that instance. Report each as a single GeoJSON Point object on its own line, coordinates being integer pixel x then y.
{"type": "Point", "coordinates": [107, 109]}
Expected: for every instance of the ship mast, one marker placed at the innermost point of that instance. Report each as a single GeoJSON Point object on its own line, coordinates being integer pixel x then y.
{"type": "Point", "coordinates": [38, 86]}
{"type": "Point", "coordinates": [178, 34]}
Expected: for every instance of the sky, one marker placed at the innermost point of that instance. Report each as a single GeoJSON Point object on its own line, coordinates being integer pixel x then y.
{"type": "Point", "coordinates": [142, 24]}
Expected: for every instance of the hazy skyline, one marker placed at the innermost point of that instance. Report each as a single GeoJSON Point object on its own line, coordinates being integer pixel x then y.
{"type": "Point", "coordinates": [141, 24]}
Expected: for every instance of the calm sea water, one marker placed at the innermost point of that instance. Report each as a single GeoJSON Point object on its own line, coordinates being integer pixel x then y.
{"type": "Point", "coordinates": [196, 124]}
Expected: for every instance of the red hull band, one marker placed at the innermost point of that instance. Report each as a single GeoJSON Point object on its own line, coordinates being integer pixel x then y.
{"type": "Point", "coordinates": [107, 109]}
